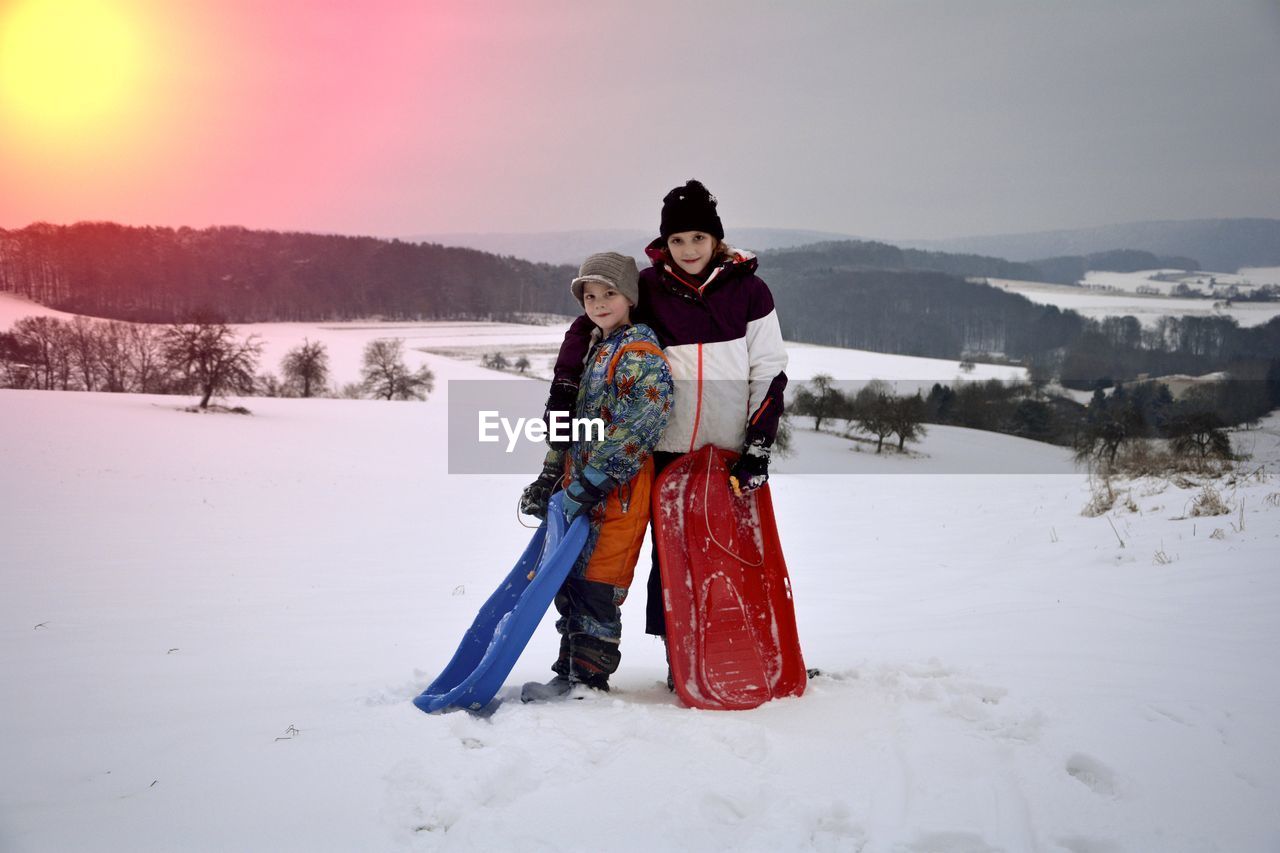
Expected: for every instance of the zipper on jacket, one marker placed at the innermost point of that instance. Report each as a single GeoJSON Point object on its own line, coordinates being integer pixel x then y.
{"type": "Point", "coordinates": [697, 288]}
{"type": "Point", "coordinates": [697, 412]}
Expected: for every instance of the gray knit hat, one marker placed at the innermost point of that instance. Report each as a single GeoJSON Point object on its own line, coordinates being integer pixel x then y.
{"type": "Point", "coordinates": [617, 271]}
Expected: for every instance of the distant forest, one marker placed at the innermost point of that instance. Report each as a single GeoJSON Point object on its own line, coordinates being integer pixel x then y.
{"type": "Point", "coordinates": [942, 316]}
{"type": "Point", "coordinates": [850, 293]}
{"type": "Point", "coordinates": [165, 274]}
{"type": "Point", "coordinates": [864, 254]}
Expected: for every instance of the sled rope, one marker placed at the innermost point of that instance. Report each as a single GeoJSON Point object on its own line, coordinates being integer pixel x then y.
{"type": "Point", "coordinates": [710, 531]}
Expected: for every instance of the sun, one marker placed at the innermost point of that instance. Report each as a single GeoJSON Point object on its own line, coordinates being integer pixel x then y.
{"type": "Point", "coordinates": [67, 65]}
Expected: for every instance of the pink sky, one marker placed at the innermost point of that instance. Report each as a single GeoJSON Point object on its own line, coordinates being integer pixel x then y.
{"type": "Point", "coordinates": [872, 117]}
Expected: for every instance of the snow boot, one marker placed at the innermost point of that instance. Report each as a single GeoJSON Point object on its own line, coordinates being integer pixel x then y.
{"type": "Point", "coordinates": [536, 691]}
{"type": "Point", "coordinates": [559, 688]}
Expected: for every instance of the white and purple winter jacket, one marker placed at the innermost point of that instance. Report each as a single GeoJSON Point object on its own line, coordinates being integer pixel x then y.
{"type": "Point", "coordinates": [723, 342]}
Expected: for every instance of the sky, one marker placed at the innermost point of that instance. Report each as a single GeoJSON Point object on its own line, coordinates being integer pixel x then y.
{"type": "Point", "coordinates": [880, 118]}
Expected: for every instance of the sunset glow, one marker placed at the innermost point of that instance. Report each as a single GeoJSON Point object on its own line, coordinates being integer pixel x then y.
{"type": "Point", "coordinates": [67, 65]}
{"type": "Point", "coordinates": [409, 118]}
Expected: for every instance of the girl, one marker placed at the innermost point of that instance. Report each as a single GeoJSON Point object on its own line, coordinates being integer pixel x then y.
{"type": "Point", "coordinates": [716, 322]}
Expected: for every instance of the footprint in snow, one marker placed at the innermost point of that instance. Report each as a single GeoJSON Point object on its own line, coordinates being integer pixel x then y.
{"type": "Point", "coordinates": [948, 842]}
{"type": "Point", "coordinates": [835, 831]}
{"type": "Point", "coordinates": [980, 705]}
{"type": "Point", "coordinates": [749, 743]}
{"type": "Point", "coordinates": [1155, 713]}
{"type": "Point", "coordinates": [1076, 844]}
{"type": "Point", "coordinates": [1093, 774]}
{"type": "Point", "coordinates": [722, 810]}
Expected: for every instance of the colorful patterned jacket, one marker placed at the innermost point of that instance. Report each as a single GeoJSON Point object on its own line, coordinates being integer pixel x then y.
{"type": "Point", "coordinates": [627, 384]}
{"type": "Point", "coordinates": [725, 349]}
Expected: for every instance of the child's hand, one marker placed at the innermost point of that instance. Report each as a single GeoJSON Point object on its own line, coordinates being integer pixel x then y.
{"type": "Point", "coordinates": [591, 487]}
{"type": "Point", "coordinates": [751, 471]}
{"type": "Point", "coordinates": [536, 495]}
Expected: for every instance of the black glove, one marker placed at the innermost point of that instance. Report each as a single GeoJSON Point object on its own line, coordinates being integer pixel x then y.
{"type": "Point", "coordinates": [591, 487]}
{"type": "Point", "coordinates": [751, 471]}
{"type": "Point", "coordinates": [562, 398]}
{"type": "Point", "coordinates": [534, 498]}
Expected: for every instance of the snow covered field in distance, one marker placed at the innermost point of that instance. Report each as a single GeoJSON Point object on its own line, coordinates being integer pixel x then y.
{"type": "Point", "coordinates": [1127, 301]}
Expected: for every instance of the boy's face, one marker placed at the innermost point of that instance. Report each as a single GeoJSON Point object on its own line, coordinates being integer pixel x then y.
{"type": "Point", "coordinates": [606, 307]}
{"type": "Point", "coordinates": [691, 250]}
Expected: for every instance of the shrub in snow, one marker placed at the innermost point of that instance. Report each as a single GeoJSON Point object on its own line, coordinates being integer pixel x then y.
{"type": "Point", "coordinates": [1209, 502]}
{"type": "Point", "coordinates": [1103, 498]}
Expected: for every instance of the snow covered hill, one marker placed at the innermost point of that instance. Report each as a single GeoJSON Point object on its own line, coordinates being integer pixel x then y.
{"type": "Point", "coordinates": [212, 625]}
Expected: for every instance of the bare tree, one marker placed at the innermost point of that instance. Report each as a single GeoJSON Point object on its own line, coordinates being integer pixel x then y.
{"type": "Point", "coordinates": [146, 358]}
{"type": "Point", "coordinates": [210, 357]}
{"type": "Point", "coordinates": [387, 377]}
{"type": "Point", "coordinates": [872, 410]}
{"type": "Point", "coordinates": [113, 355]}
{"type": "Point", "coordinates": [42, 338]}
{"type": "Point", "coordinates": [82, 348]}
{"type": "Point", "coordinates": [16, 360]}
{"type": "Point", "coordinates": [823, 401]}
{"type": "Point", "coordinates": [1199, 433]}
{"type": "Point", "coordinates": [306, 368]}
{"type": "Point", "coordinates": [906, 417]}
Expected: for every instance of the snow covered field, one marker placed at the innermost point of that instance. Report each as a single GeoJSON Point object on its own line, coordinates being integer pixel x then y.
{"type": "Point", "coordinates": [1126, 301]}
{"type": "Point", "coordinates": [1261, 275]}
{"type": "Point", "coordinates": [1165, 280]}
{"type": "Point", "coordinates": [213, 624]}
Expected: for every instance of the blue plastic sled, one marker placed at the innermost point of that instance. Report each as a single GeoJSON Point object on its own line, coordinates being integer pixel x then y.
{"type": "Point", "coordinates": [502, 629]}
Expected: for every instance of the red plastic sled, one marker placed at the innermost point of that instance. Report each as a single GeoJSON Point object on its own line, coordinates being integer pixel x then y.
{"type": "Point", "coordinates": [731, 624]}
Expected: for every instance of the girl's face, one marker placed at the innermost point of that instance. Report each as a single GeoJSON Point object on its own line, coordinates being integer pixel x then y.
{"type": "Point", "coordinates": [691, 250]}
{"type": "Point", "coordinates": [606, 307]}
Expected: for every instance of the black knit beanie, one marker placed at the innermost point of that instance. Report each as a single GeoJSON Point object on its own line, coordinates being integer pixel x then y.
{"type": "Point", "coordinates": [690, 208]}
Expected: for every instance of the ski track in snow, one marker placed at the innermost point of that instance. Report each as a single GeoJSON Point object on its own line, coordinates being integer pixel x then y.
{"type": "Point", "coordinates": [212, 627]}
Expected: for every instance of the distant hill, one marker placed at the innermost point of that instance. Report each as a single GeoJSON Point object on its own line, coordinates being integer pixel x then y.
{"type": "Point", "coordinates": [871, 255]}
{"type": "Point", "coordinates": [1218, 244]}
{"type": "Point", "coordinates": [570, 247]}
{"type": "Point", "coordinates": [848, 293]}
{"type": "Point", "coordinates": [164, 274]}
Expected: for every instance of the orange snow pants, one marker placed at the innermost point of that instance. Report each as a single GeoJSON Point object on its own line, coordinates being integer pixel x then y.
{"type": "Point", "coordinates": [626, 515]}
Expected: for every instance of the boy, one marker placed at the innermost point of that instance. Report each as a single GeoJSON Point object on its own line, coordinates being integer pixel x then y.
{"type": "Point", "coordinates": [626, 383]}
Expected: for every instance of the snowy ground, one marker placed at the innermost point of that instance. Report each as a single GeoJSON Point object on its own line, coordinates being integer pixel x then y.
{"type": "Point", "coordinates": [1260, 275]}
{"type": "Point", "coordinates": [1165, 280]}
{"type": "Point", "coordinates": [212, 626]}
{"type": "Point", "coordinates": [1125, 301]}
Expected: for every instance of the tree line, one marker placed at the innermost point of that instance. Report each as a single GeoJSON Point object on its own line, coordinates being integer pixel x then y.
{"type": "Point", "coordinates": [205, 357]}
{"type": "Point", "coordinates": [1193, 426]}
{"type": "Point", "coordinates": [873, 409]}
{"type": "Point", "coordinates": [940, 316]}
{"type": "Point", "coordinates": [855, 294]}
{"type": "Point", "coordinates": [872, 255]}
{"type": "Point", "coordinates": [164, 274]}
